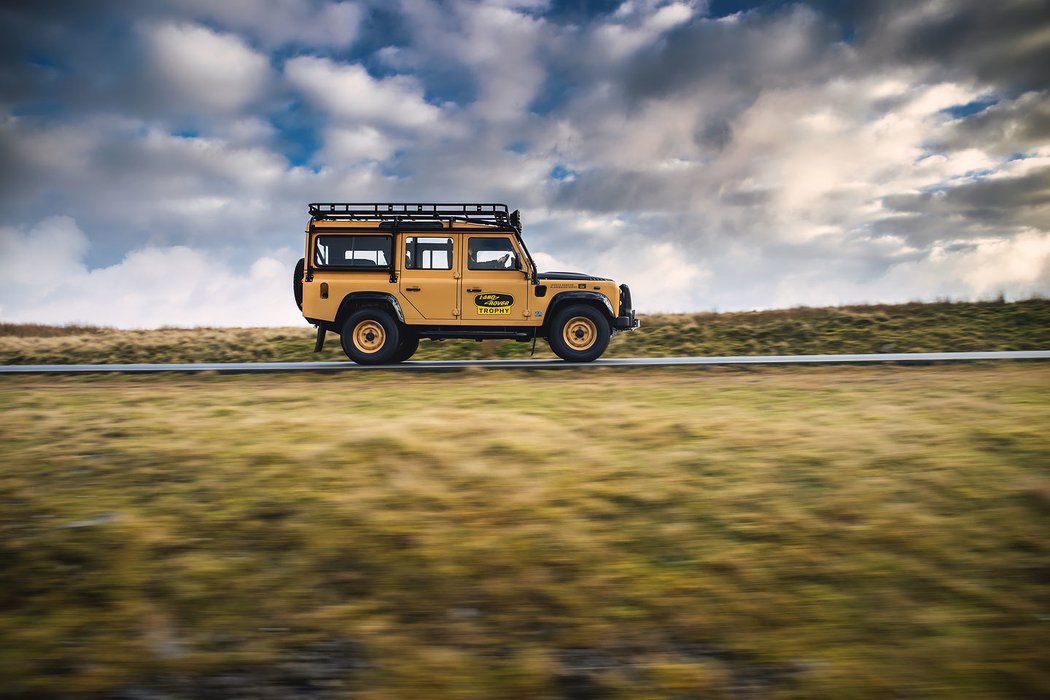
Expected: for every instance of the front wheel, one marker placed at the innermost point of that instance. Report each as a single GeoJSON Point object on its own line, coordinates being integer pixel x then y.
{"type": "Point", "coordinates": [579, 333]}
{"type": "Point", "coordinates": [370, 337]}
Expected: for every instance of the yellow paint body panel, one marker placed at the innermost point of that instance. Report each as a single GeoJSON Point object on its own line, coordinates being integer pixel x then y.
{"type": "Point", "coordinates": [455, 296]}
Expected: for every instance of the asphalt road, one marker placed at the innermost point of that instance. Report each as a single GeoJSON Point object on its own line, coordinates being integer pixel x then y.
{"type": "Point", "coordinates": [243, 367]}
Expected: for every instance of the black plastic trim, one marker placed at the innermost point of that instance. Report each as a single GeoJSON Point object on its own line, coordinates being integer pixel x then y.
{"type": "Point", "coordinates": [371, 296]}
{"type": "Point", "coordinates": [587, 297]}
{"type": "Point", "coordinates": [572, 276]}
{"type": "Point", "coordinates": [309, 251]}
{"type": "Point", "coordinates": [521, 333]}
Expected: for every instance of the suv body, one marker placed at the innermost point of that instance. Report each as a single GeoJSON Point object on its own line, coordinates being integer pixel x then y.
{"type": "Point", "coordinates": [383, 276]}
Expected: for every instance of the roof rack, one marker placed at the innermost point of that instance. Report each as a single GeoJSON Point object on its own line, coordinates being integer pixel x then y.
{"type": "Point", "coordinates": [482, 213]}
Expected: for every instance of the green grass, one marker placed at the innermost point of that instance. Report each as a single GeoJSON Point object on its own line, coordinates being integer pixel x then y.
{"type": "Point", "coordinates": [853, 329]}
{"type": "Point", "coordinates": [788, 533]}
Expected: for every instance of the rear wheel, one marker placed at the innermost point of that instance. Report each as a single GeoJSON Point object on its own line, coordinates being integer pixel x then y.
{"type": "Point", "coordinates": [579, 333]}
{"type": "Point", "coordinates": [407, 347]}
{"type": "Point", "coordinates": [370, 337]}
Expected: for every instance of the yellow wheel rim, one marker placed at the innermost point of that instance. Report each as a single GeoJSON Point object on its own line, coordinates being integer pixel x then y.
{"type": "Point", "coordinates": [579, 333]}
{"type": "Point", "coordinates": [369, 336]}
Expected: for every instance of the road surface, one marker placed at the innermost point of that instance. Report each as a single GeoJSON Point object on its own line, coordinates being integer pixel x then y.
{"type": "Point", "coordinates": [436, 365]}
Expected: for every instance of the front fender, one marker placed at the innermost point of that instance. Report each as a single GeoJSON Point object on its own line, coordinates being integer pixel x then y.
{"type": "Point", "coordinates": [585, 297]}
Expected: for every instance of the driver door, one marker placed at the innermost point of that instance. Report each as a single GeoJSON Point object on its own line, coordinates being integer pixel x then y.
{"type": "Point", "coordinates": [495, 290]}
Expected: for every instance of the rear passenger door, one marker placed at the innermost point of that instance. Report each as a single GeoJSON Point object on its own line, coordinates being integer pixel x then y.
{"type": "Point", "coordinates": [430, 274]}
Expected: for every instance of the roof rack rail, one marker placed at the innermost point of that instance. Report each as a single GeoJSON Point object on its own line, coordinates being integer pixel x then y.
{"type": "Point", "coordinates": [483, 213]}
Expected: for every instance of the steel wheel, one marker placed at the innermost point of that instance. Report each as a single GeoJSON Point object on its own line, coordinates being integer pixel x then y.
{"type": "Point", "coordinates": [369, 336]}
{"type": "Point", "coordinates": [579, 333]}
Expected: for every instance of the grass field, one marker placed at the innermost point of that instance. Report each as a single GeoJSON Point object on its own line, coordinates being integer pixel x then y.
{"type": "Point", "coordinates": [853, 329]}
{"type": "Point", "coordinates": [853, 532]}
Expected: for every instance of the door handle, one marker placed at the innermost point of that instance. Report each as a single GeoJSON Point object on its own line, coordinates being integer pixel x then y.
{"type": "Point", "coordinates": [413, 289]}
{"type": "Point", "coordinates": [474, 289]}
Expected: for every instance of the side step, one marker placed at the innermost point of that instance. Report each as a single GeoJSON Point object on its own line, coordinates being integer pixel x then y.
{"type": "Point", "coordinates": [474, 334]}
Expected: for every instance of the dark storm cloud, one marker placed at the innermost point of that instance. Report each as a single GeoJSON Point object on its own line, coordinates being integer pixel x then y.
{"type": "Point", "coordinates": [51, 50]}
{"type": "Point", "coordinates": [1002, 43]}
{"type": "Point", "coordinates": [70, 59]}
{"type": "Point", "coordinates": [972, 209]}
{"type": "Point", "coordinates": [607, 190]}
{"type": "Point", "coordinates": [758, 51]}
{"type": "Point", "coordinates": [1006, 128]}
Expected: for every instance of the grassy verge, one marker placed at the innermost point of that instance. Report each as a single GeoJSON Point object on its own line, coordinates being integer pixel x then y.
{"type": "Point", "coordinates": [813, 532]}
{"type": "Point", "coordinates": [901, 328]}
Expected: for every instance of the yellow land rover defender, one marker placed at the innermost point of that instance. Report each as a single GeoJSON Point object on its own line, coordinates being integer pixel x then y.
{"type": "Point", "coordinates": [383, 276]}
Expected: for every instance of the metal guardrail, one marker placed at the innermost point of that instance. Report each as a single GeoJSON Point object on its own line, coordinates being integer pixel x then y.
{"type": "Point", "coordinates": [445, 365]}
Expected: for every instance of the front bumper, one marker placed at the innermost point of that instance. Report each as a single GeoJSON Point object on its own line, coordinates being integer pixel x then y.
{"type": "Point", "coordinates": [626, 320]}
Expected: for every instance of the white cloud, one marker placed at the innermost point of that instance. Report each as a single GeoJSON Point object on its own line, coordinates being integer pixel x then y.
{"type": "Point", "coordinates": [1016, 267]}
{"type": "Point", "coordinates": [347, 91]}
{"type": "Point", "coordinates": [279, 22]}
{"type": "Point", "coordinates": [45, 280]}
{"type": "Point", "coordinates": [210, 70]}
{"type": "Point", "coordinates": [637, 24]}
{"type": "Point", "coordinates": [500, 46]}
{"type": "Point", "coordinates": [349, 145]}
{"type": "Point", "coordinates": [54, 245]}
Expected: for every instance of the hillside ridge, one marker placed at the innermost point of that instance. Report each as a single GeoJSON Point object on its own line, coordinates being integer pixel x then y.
{"type": "Point", "coordinates": [910, 327]}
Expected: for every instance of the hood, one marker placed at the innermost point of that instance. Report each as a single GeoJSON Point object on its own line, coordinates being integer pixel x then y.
{"type": "Point", "coordinates": [571, 276]}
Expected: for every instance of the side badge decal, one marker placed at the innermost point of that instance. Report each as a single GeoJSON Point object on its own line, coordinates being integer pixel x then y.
{"type": "Point", "coordinates": [493, 304]}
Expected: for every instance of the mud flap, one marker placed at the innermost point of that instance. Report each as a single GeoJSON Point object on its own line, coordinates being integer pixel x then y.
{"type": "Point", "coordinates": [319, 345]}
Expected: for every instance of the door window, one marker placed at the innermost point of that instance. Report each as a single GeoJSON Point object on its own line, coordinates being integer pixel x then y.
{"type": "Point", "coordinates": [492, 254]}
{"type": "Point", "coordinates": [428, 253]}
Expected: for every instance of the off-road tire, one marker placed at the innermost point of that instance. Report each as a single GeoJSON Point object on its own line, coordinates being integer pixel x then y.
{"type": "Point", "coordinates": [407, 347]}
{"type": "Point", "coordinates": [370, 337]}
{"type": "Point", "coordinates": [297, 282]}
{"type": "Point", "coordinates": [579, 333]}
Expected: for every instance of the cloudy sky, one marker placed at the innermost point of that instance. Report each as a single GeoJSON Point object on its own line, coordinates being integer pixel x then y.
{"type": "Point", "coordinates": [156, 157]}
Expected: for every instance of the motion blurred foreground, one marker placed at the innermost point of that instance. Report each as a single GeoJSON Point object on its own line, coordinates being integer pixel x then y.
{"type": "Point", "coordinates": [815, 532]}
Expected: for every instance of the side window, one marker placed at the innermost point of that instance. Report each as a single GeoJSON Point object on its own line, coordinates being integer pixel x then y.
{"type": "Point", "coordinates": [428, 253]}
{"type": "Point", "coordinates": [352, 251]}
{"type": "Point", "coordinates": [491, 254]}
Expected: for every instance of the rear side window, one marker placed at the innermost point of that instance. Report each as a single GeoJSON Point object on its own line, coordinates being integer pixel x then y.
{"type": "Point", "coordinates": [428, 253]}
{"type": "Point", "coordinates": [359, 252]}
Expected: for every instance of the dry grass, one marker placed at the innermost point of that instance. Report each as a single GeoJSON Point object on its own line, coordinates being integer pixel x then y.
{"type": "Point", "coordinates": [901, 328]}
{"type": "Point", "coordinates": [814, 532]}
{"type": "Point", "coordinates": [37, 330]}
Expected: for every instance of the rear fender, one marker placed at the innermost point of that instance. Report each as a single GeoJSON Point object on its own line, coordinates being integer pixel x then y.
{"type": "Point", "coordinates": [356, 300]}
